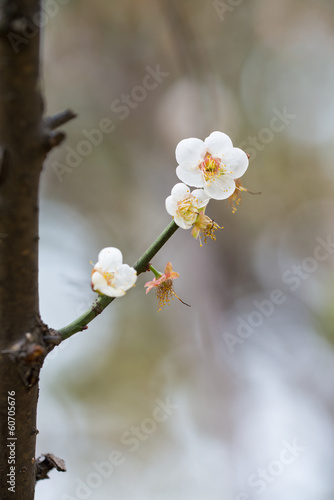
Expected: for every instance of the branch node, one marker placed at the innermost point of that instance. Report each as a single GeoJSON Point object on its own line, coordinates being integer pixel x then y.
{"type": "Point", "coordinates": [97, 309]}
{"type": "Point", "coordinates": [54, 139]}
{"type": "Point", "coordinates": [47, 462]}
{"type": "Point", "coordinates": [52, 340]}
{"type": "Point", "coordinates": [28, 354]}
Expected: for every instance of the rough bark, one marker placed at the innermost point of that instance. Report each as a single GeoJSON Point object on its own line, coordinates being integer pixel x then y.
{"type": "Point", "coordinates": [24, 142]}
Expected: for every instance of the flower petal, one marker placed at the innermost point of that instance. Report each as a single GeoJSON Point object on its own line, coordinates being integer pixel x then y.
{"type": "Point", "coordinates": [169, 271]}
{"type": "Point", "coordinates": [202, 197]}
{"type": "Point", "coordinates": [98, 281]}
{"type": "Point", "coordinates": [100, 285]}
{"type": "Point", "coordinates": [171, 205]}
{"type": "Point", "coordinates": [218, 143]}
{"type": "Point", "coordinates": [236, 162]}
{"type": "Point", "coordinates": [111, 291]}
{"type": "Point", "coordinates": [110, 257]}
{"type": "Point", "coordinates": [168, 268]}
{"type": "Point", "coordinates": [190, 174]}
{"type": "Point", "coordinates": [125, 277]}
{"type": "Point", "coordinates": [191, 150]}
{"type": "Point", "coordinates": [173, 275]}
{"type": "Point", "coordinates": [180, 191]}
{"type": "Point", "coordinates": [150, 285]}
{"type": "Point", "coordinates": [182, 223]}
{"type": "Point", "coordinates": [221, 188]}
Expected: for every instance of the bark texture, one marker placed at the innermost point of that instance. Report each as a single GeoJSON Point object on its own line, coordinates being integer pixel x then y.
{"type": "Point", "coordinates": [24, 142]}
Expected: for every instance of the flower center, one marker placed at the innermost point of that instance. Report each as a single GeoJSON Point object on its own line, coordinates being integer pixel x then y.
{"type": "Point", "coordinates": [211, 167]}
{"type": "Point", "coordinates": [109, 277]}
{"type": "Point", "coordinates": [187, 209]}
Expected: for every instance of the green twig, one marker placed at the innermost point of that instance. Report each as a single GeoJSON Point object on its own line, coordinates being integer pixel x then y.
{"type": "Point", "coordinates": [103, 301]}
{"type": "Point", "coordinates": [154, 271]}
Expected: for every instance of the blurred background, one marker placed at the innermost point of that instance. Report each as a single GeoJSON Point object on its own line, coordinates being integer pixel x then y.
{"type": "Point", "coordinates": [233, 397]}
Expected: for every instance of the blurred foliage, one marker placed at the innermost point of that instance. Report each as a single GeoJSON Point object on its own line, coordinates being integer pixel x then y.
{"type": "Point", "coordinates": [263, 59]}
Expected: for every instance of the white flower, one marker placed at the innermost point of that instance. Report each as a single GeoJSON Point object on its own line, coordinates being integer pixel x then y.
{"type": "Point", "coordinates": [212, 164]}
{"type": "Point", "coordinates": [110, 276]}
{"type": "Point", "coordinates": [184, 206]}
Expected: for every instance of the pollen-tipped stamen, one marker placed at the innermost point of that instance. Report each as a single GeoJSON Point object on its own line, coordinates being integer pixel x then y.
{"type": "Point", "coordinates": [211, 168]}
{"type": "Point", "coordinates": [165, 293]}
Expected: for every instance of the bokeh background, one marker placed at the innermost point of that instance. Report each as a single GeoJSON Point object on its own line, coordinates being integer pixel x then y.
{"type": "Point", "coordinates": [247, 372]}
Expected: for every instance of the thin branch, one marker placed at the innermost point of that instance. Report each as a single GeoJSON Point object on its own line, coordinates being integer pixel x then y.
{"type": "Point", "coordinates": [141, 264]}
{"type": "Point", "coordinates": [55, 121]}
{"type": "Point", "coordinates": [52, 137]}
{"type": "Point", "coordinates": [103, 301]}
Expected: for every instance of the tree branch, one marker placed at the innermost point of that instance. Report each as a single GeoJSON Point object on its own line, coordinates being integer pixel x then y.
{"type": "Point", "coordinates": [54, 138]}
{"type": "Point", "coordinates": [55, 121]}
{"type": "Point", "coordinates": [22, 145]}
{"type": "Point", "coordinates": [103, 301]}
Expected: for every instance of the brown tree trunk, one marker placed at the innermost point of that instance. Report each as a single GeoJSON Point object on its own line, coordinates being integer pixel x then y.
{"type": "Point", "coordinates": [23, 146]}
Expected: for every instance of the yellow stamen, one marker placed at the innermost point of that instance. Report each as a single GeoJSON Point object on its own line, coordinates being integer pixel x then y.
{"type": "Point", "coordinates": [211, 168]}
{"type": "Point", "coordinates": [206, 227]}
{"type": "Point", "coordinates": [186, 208]}
{"type": "Point", "coordinates": [109, 277]}
{"type": "Point", "coordinates": [165, 293]}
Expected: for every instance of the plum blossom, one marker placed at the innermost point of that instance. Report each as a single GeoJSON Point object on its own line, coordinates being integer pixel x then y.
{"type": "Point", "coordinates": [212, 164]}
{"type": "Point", "coordinates": [184, 206]}
{"type": "Point", "coordinates": [204, 226]}
{"type": "Point", "coordinates": [159, 278]}
{"type": "Point", "coordinates": [110, 276]}
{"type": "Point", "coordinates": [188, 210]}
{"type": "Point", "coordinates": [163, 283]}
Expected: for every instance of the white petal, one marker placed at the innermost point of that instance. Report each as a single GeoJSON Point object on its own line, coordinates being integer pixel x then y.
{"type": "Point", "coordinates": [218, 143]}
{"type": "Point", "coordinates": [100, 285]}
{"type": "Point", "coordinates": [99, 268]}
{"type": "Point", "coordinates": [182, 223]}
{"type": "Point", "coordinates": [190, 150]}
{"type": "Point", "coordinates": [98, 281]}
{"type": "Point", "coordinates": [111, 291]}
{"type": "Point", "coordinates": [202, 197]}
{"type": "Point", "coordinates": [236, 162]}
{"type": "Point", "coordinates": [110, 257]}
{"type": "Point", "coordinates": [125, 278]}
{"type": "Point", "coordinates": [180, 191]}
{"type": "Point", "coordinates": [221, 188]}
{"type": "Point", "coordinates": [190, 174]}
{"type": "Point", "coordinates": [171, 205]}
